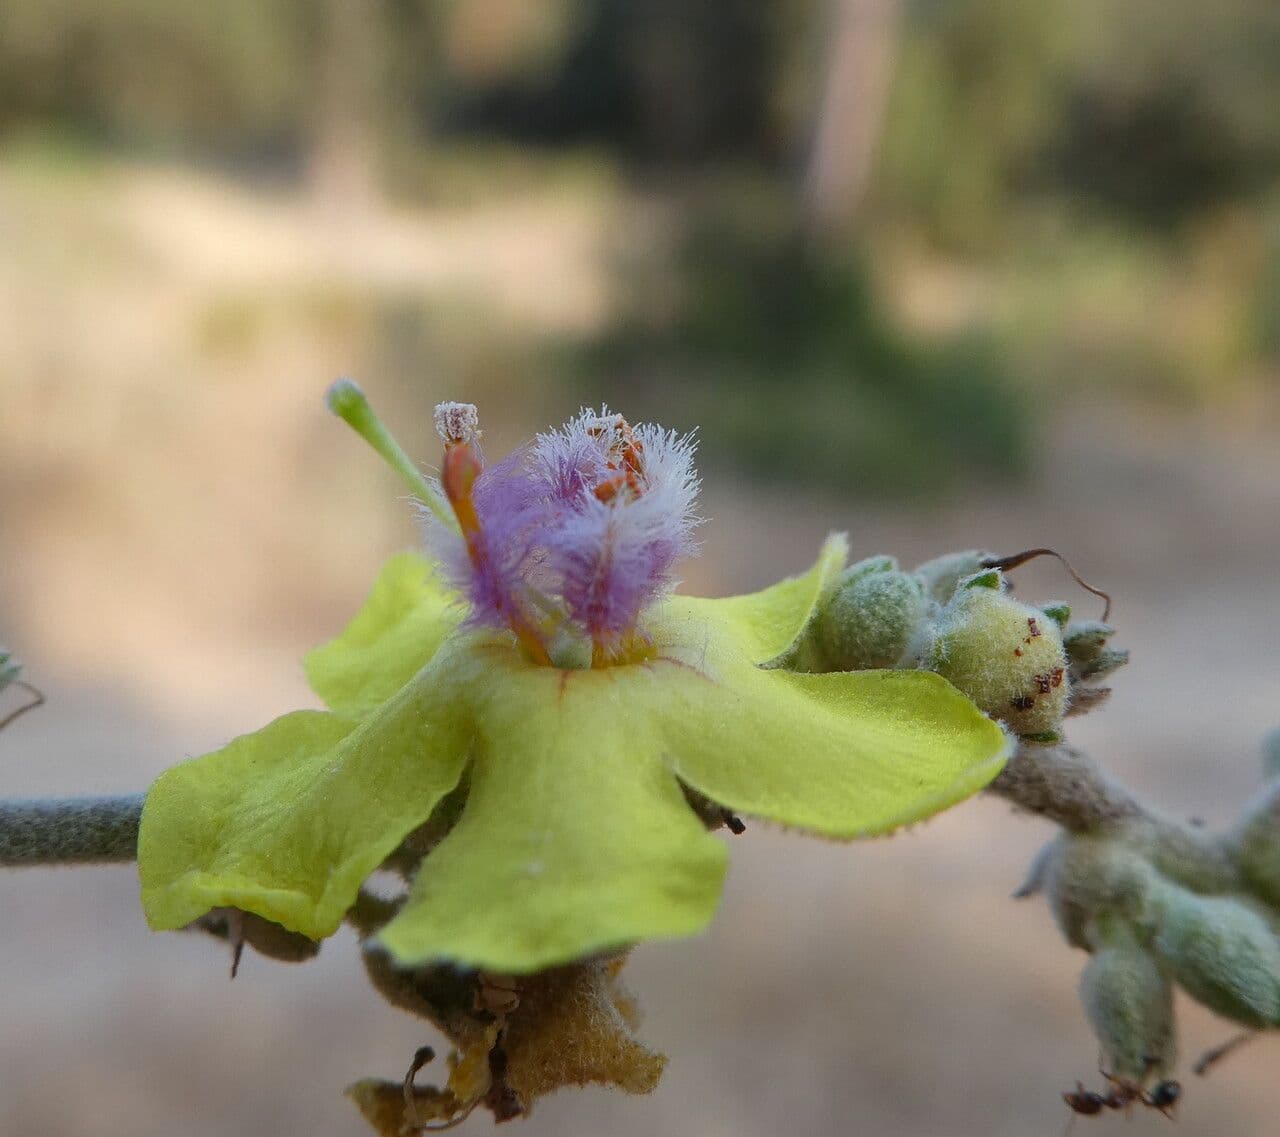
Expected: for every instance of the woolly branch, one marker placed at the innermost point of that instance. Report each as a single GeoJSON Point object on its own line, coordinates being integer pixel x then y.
{"type": "Point", "coordinates": [69, 831]}
{"type": "Point", "coordinates": [1056, 782]}
{"type": "Point", "coordinates": [1067, 787]}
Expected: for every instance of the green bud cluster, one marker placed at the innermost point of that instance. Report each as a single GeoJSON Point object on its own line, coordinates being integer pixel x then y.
{"type": "Point", "coordinates": [1156, 905]}
{"type": "Point", "coordinates": [1093, 880]}
{"type": "Point", "coordinates": [1024, 665]}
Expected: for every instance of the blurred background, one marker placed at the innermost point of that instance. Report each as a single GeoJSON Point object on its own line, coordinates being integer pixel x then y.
{"type": "Point", "coordinates": [944, 273]}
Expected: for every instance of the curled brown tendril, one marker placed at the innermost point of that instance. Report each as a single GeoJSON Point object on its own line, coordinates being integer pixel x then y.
{"type": "Point", "coordinates": [1013, 560]}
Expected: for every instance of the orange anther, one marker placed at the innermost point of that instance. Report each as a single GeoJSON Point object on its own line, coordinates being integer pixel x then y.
{"type": "Point", "coordinates": [625, 457]}
{"type": "Point", "coordinates": [607, 490]}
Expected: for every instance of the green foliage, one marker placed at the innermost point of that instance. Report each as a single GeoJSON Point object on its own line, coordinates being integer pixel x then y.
{"type": "Point", "coordinates": [1098, 165]}
{"type": "Point", "coordinates": [1167, 110]}
{"type": "Point", "coordinates": [657, 80]}
{"type": "Point", "coordinates": [1263, 317]}
{"type": "Point", "coordinates": [1154, 112]}
{"type": "Point", "coordinates": [972, 100]}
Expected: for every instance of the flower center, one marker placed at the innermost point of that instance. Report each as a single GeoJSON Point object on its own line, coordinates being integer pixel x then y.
{"type": "Point", "coordinates": [564, 543]}
{"type": "Point", "coordinates": [567, 541]}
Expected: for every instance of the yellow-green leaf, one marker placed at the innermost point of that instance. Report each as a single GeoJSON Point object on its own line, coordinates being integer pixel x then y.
{"type": "Point", "coordinates": [575, 836]}
{"type": "Point", "coordinates": [402, 624]}
{"type": "Point", "coordinates": [846, 754]}
{"type": "Point", "coordinates": [288, 822]}
{"type": "Point", "coordinates": [762, 624]}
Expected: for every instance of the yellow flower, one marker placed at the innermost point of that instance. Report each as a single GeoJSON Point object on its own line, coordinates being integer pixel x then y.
{"type": "Point", "coordinates": [563, 790]}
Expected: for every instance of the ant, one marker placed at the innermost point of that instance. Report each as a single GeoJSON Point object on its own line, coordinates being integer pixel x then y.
{"type": "Point", "coordinates": [1163, 1097]}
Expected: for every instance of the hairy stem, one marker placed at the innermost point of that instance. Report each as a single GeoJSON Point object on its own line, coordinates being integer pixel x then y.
{"type": "Point", "coordinates": [1055, 782]}
{"type": "Point", "coordinates": [1065, 786]}
{"type": "Point", "coordinates": [69, 831]}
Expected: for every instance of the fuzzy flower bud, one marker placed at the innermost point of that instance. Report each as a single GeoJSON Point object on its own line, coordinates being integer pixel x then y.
{"type": "Point", "coordinates": [1091, 881]}
{"type": "Point", "coordinates": [1006, 656]}
{"type": "Point", "coordinates": [943, 574]}
{"type": "Point", "coordinates": [1223, 953]}
{"type": "Point", "coordinates": [877, 563]}
{"type": "Point", "coordinates": [872, 620]}
{"type": "Point", "coordinates": [1129, 1003]}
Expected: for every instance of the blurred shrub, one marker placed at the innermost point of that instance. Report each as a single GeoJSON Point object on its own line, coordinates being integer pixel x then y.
{"type": "Point", "coordinates": [973, 99]}
{"type": "Point", "coordinates": [1153, 111]}
{"type": "Point", "coordinates": [1169, 110]}
{"type": "Point", "coordinates": [657, 79]}
{"type": "Point", "coordinates": [1092, 161]}
{"type": "Point", "coordinates": [1264, 323]}
{"type": "Point", "coordinates": [792, 370]}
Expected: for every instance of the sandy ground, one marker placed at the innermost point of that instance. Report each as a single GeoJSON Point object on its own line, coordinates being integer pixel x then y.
{"type": "Point", "coordinates": [172, 548]}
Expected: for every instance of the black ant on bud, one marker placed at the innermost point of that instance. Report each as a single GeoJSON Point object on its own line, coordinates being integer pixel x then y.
{"type": "Point", "coordinates": [1123, 1095]}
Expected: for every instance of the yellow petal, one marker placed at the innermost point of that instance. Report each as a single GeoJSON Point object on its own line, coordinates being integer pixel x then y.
{"type": "Point", "coordinates": [402, 624]}
{"type": "Point", "coordinates": [763, 625]}
{"type": "Point", "coordinates": [287, 822]}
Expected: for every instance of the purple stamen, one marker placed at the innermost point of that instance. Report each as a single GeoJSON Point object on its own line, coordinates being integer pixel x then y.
{"type": "Point", "coordinates": [547, 530]}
